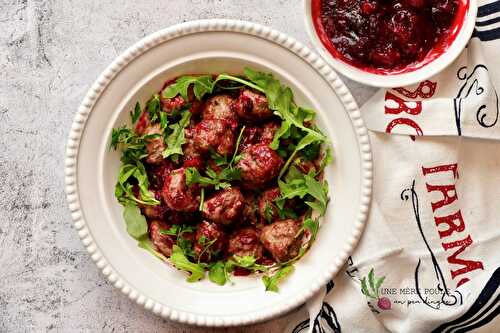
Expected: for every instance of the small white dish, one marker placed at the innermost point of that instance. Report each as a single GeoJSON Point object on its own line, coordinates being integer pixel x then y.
{"type": "Point", "coordinates": [419, 72]}
{"type": "Point", "coordinates": [213, 46]}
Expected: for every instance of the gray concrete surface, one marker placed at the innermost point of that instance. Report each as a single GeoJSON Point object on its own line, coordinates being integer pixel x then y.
{"type": "Point", "coordinates": [50, 53]}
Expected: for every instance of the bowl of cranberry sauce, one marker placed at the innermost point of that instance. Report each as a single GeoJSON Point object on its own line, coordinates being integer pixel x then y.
{"type": "Point", "coordinates": [390, 43]}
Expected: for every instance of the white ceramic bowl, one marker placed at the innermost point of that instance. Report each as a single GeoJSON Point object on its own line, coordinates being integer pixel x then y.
{"type": "Point", "coordinates": [213, 46]}
{"type": "Point", "coordinates": [419, 72]}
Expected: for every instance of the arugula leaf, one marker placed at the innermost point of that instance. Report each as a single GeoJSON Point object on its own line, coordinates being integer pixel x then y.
{"type": "Point", "coordinates": [202, 199]}
{"type": "Point", "coordinates": [312, 225]}
{"type": "Point", "coordinates": [327, 159]}
{"type": "Point", "coordinates": [222, 77]}
{"type": "Point", "coordinates": [201, 85]}
{"type": "Point", "coordinates": [220, 180]}
{"type": "Point", "coordinates": [248, 262]}
{"type": "Point", "coordinates": [271, 281]}
{"type": "Point", "coordinates": [304, 142]}
{"type": "Point", "coordinates": [238, 141]}
{"type": "Point", "coordinates": [193, 176]}
{"type": "Point", "coordinates": [319, 191]}
{"type": "Point", "coordinates": [180, 261]}
{"type": "Point", "coordinates": [176, 139]}
{"type": "Point", "coordinates": [311, 152]}
{"type": "Point", "coordinates": [137, 226]}
{"type": "Point", "coordinates": [217, 273]}
{"type": "Point", "coordinates": [163, 120]}
{"type": "Point", "coordinates": [136, 113]}
{"type": "Point", "coordinates": [124, 189]}
{"type": "Point", "coordinates": [146, 244]}
{"type": "Point", "coordinates": [153, 107]}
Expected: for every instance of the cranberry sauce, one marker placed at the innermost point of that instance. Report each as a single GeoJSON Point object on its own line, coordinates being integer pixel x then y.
{"type": "Point", "coordinates": [386, 34]}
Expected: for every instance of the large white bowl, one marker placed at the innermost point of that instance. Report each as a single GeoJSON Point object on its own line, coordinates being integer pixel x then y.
{"type": "Point", "coordinates": [213, 46]}
{"type": "Point", "coordinates": [458, 41]}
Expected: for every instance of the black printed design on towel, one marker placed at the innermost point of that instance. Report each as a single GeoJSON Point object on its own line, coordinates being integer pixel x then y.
{"type": "Point", "coordinates": [325, 322]}
{"type": "Point", "coordinates": [326, 318]}
{"type": "Point", "coordinates": [480, 313]}
{"type": "Point", "coordinates": [474, 88]}
{"type": "Point", "coordinates": [488, 9]}
{"type": "Point", "coordinates": [447, 298]}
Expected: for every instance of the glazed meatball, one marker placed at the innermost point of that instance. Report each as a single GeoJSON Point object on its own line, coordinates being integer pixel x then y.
{"type": "Point", "coordinates": [267, 208]}
{"type": "Point", "coordinates": [225, 206]}
{"type": "Point", "coordinates": [154, 146]}
{"type": "Point", "coordinates": [251, 135]}
{"type": "Point", "coordinates": [279, 239]}
{"type": "Point", "coordinates": [163, 243]}
{"type": "Point", "coordinates": [154, 212]}
{"type": "Point", "coordinates": [245, 242]}
{"type": "Point", "coordinates": [176, 103]}
{"type": "Point", "coordinates": [157, 174]}
{"type": "Point", "coordinates": [214, 134]}
{"type": "Point", "coordinates": [220, 107]}
{"type": "Point", "coordinates": [259, 164]}
{"type": "Point", "coordinates": [250, 212]}
{"type": "Point", "coordinates": [210, 240]}
{"type": "Point", "coordinates": [177, 195]}
{"type": "Point", "coordinates": [268, 131]}
{"type": "Point", "coordinates": [191, 156]}
{"type": "Point", "coordinates": [252, 106]}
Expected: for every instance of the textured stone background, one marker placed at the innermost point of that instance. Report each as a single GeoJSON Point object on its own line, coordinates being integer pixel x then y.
{"type": "Point", "coordinates": [50, 53]}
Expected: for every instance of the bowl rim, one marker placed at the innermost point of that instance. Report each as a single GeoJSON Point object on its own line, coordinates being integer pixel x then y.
{"type": "Point", "coordinates": [135, 51]}
{"type": "Point", "coordinates": [395, 80]}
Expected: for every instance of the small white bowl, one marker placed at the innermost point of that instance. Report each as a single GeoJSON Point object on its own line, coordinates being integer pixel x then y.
{"type": "Point", "coordinates": [418, 72]}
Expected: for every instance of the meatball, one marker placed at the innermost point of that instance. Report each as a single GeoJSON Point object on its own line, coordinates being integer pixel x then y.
{"type": "Point", "coordinates": [163, 243]}
{"type": "Point", "coordinates": [177, 195]}
{"type": "Point", "coordinates": [267, 208]}
{"type": "Point", "coordinates": [176, 103]}
{"type": "Point", "coordinates": [259, 164]}
{"type": "Point", "coordinates": [245, 242]}
{"type": "Point", "coordinates": [214, 134]}
{"type": "Point", "coordinates": [191, 156]}
{"type": "Point", "coordinates": [225, 206]}
{"type": "Point", "coordinates": [154, 212]}
{"type": "Point", "coordinates": [251, 135]}
{"type": "Point", "coordinates": [220, 107]}
{"type": "Point", "coordinates": [252, 106]}
{"type": "Point", "coordinates": [250, 208]}
{"type": "Point", "coordinates": [210, 240]}
{"type": "Point", "coordinates": [157, 174]}
{"type": "Point", "coordinates": [154, 146]}
{"type": "Point", "coordinates": [279, 239]}
{"type": "Point", "coordinates": [268, 131]}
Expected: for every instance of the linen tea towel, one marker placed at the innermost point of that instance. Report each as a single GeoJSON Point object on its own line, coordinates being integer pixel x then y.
{"type": "Point", "coordinates": [429, 259]}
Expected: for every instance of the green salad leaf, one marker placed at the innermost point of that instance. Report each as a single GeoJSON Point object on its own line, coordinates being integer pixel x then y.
{"type": "Point", "coordinates": [135, 115]}
{"type": "Point", "coordinates": [146, 244]}
{"type": "Point", "coordinates": [153, 107]}
{"type": "Point", "coordinates": [137, 227]}
{"type": "Point", "coordinates": [218, 180]}
{"type": "Point", "coordinates": [271, 281]}
{"type": "Point", "coordinates": [180, 261]}
{"type": "Point", "coordinates": [128, 176]}
{"type": "Point", "coordinates": [217, 273]}
{"type": "Point", "coordinates": [202, 85]}
{"type": "Point", "coordinates": [176, 139]}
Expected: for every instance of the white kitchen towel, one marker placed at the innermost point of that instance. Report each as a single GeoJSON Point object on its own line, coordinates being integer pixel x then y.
{"type": "Point", "coordinates": [429, 259]}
